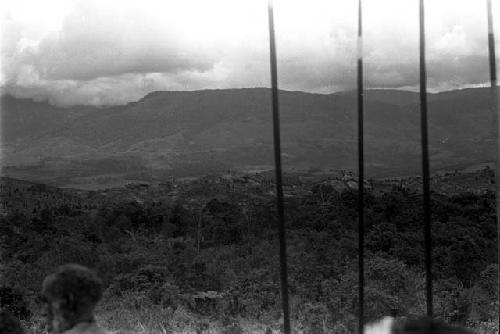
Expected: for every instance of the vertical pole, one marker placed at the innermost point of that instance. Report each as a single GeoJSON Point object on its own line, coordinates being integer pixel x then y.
{"type": "Point", "coordinates": [277, 162]}
{"type": "Point", "coordinates": [425, 164]}
{"type": "Point", "coordinates": [494, 108]}
{"type": "Point", "coordinates": [361, 176]}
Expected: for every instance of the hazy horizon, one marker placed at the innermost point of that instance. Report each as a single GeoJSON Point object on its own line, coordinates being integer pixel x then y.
{"type": "Point", "coordinates": [349, 91]}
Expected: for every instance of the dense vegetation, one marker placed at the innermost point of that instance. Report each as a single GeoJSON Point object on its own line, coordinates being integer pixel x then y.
{"type": "Point", "coordinates": [207, 260]}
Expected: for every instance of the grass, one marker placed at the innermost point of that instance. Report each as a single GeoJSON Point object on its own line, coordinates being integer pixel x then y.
{"type": "Point", "coordinates": [157, 320]}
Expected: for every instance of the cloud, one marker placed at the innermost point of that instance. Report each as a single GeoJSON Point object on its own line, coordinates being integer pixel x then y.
{"type": "Point", "coordinates": [98, 53]}
{"type": "Point", "coordinates": [100, 43]}
{"type": "Point", "coordinates": [109, 52]}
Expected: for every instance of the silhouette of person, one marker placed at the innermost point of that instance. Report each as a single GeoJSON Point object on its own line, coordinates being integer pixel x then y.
{"type": "Point", "coordinates": [9, 324]}
{"type": "Point", "coordinates": [390, 325]}
{"type": "Point", "coordinates": [71, 294]}
{"type": "Point", "coordinates": [427, 326]}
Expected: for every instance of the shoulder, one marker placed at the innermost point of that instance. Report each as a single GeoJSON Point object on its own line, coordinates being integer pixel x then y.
{"type": "Point", "coordinates": [100, 330]}
{"type": "Point", "coordinates": [87, 328]}
{"type": "Point", "coordinates": [103, 331]}
{"type": "Point", "coordinates": [383, 326]}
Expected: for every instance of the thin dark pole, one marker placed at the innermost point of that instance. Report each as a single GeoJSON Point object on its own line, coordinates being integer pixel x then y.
{"type": "Point", "coordinates": [279, 182]}
{"type": "Point", "coordinates": [361, 178]}
{"type": "Point", "coordinates": [425, 164]}
{"type": "Point", "coordinates": [494, 107]}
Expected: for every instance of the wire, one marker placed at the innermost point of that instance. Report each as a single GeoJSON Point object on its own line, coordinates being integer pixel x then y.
{"type": "Point", "coordinates": [494, 109]}
{"type": "Point", "coordinates": [361, 176]}
{"type": "Point", "coordinates": [277, 162]}
{"type": "Point", "coordinates": [425, 164]}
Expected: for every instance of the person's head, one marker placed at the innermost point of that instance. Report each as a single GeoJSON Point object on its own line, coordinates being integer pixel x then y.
{"type": "Point", "coordinates": [9, 324]}
{"type": "Point", "coordinates": [71, 294]}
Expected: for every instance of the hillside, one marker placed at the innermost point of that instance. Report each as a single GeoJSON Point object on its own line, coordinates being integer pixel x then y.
{"type": "Point", "coordinates": [192, 132]}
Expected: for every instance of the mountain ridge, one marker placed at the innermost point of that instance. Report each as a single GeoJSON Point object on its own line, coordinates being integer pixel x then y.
{"type": "Point", "coordinates": [174, 130]}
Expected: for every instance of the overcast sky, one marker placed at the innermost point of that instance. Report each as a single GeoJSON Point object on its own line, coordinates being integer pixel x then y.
{"type": "Point", "coordinates": [113, 52]}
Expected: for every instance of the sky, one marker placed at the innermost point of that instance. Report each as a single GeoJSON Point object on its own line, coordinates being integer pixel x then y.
{"type": "Point", "coordinates": [103, 52]}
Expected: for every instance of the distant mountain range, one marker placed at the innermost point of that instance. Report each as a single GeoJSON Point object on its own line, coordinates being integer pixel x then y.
{"type": "Point", "coordinates": [195, 132]}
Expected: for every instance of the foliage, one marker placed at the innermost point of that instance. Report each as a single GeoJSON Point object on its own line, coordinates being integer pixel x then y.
{"type": "Point", "coordinates": [213, 264]}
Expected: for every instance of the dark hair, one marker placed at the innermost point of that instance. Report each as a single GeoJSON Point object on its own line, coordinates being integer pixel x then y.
{"type": "Point", "coordinates": [76, 285]}
{"type": "Point", "coordinates": [426, 326]}
{"type": "Point", "coordinates": [9, 324]}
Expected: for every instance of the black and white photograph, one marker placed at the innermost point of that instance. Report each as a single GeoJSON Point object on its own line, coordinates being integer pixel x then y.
{"type": "Point", "coordinates": [249, 166]}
